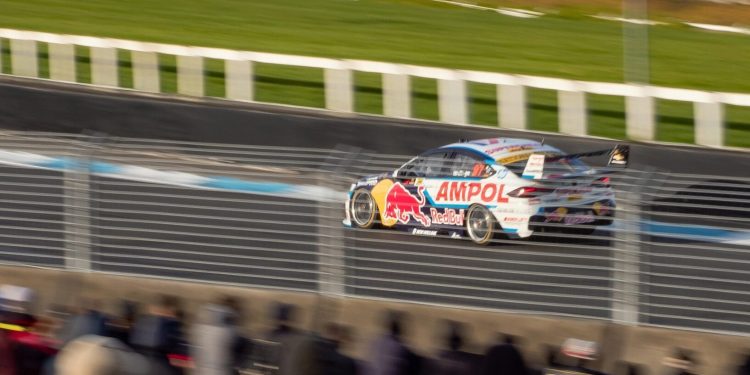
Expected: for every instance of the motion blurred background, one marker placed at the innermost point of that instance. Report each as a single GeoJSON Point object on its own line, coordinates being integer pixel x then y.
{"type": "Point", "coordinates": [173, 177]}
{"type": "Point", "coordinates": [565, 39]}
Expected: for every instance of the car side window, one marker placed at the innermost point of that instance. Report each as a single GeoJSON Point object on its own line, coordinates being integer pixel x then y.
{"type": "Point", "coordinates": [433, 164]}
{"type": "Point", "coordinates": [465, 165]}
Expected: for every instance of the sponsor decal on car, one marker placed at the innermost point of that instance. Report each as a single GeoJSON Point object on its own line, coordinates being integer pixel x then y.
{"type": "Point", "coordinates": [401, 206]}
{"type": "Point", "coordinates": [449, 216]}
{"type": "Point", "coordinates": [516, 219]}
{"type": "Point", "coordinates": [601, 209]}
{"type": "Point", "coordinates": [573, 191]}
{"type": "Point", "coordinates": [424, 232]}
{"type": "Point", "coordinates": [557, 215]}
{"type": "Point", "coordinates": [370, 182]}
{"type": "Point", "coordinates": [511, 148]}
{"type": "Point", "coordinates": [514, 158]}
{"type": "Point", "coordinates": [461, 191]}
{"type": "Point", "coordinates": [578, 219]}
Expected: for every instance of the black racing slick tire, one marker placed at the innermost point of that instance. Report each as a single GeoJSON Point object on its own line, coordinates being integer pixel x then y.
{"type": "Point", "coordinates": [480, 225]}
{"type": "Point", "coordinates": [363, 209]}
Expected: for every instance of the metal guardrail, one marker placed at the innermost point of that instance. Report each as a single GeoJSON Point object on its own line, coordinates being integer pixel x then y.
{"type": "Point", "coordinates": [678, 253]}
{"type": "Point", "coordinates": [453, 104]}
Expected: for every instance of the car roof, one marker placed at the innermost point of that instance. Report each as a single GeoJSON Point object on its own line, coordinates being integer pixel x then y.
{"type": "Point", "coordinates": [503, 148]}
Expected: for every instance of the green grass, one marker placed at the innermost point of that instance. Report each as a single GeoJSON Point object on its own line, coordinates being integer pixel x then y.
{"type": "Point", "coordinates": [408, 31]}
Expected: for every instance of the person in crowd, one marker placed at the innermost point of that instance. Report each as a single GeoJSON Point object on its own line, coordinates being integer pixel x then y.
{"type": "Point", "coordinates": [504, 358]}
{"type": "Point", "coordinates": [624, 368]}
{"type": "Point", "coordinates": [330, 359]}
{"type": "Point", "coordinates": [15, 304]}
{"type": "Point", "coordinates": [454, 361]}
{"type": "Point", "coordinates": [294, 349]}
{"type": "Point", "coordinates": [243, 347]}
{"type": "Point", "coordinates": [284, 318]}
{"type": "Point", "coordinates": [744, 368]}
{"type": "Point", "coordinates": [389, 355]}
{"type": "Point", "coordinates": [158, 334]}
{"type": "Point", "coordinates": [681, 363]}
{"type": "Point", "coordinates": [7, 361]}
{"type": "Point", "coordinates": [121, 326]}
{"type": "Point", "coordinates": [87, 320]}
{"type": "Point", "coordinates": [216, 338]}
{"type": "Point", "coordinates": [99, 355]}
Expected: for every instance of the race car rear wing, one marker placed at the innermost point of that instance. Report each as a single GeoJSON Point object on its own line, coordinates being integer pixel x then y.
{"type": "Point", "coordinates": [618, 157]}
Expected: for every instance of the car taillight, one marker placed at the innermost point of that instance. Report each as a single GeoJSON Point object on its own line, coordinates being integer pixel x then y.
{"type": "Point", "coordinates": [601, 182]}
{"type": "Point", "coordinates": [529, 192]}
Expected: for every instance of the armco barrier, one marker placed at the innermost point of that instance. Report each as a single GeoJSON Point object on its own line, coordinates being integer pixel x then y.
{"type": "Point", "coordinates": [339, 89]}
{"type": "Point", "coordinates": [271, 217]}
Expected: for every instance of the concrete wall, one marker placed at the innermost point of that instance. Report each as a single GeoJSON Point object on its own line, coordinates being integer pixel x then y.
{"type": "Point", "coordinates": [718, 354]}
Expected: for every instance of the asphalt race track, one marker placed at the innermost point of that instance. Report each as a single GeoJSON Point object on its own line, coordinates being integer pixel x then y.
{"type": "Point", "coordinates": [151, 229]}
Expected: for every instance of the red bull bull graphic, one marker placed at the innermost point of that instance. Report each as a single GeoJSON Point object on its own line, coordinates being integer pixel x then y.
{"type": "Point", "coordinates": [401, 206]}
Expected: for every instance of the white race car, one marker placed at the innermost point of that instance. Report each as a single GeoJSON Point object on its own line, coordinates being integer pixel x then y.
{"type": "Point", "coordinates": [485, 187]}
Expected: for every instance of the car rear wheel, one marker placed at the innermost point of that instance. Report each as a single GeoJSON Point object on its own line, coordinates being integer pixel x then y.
{"type": "Point", "coordinates": [480, 225]}
{"type": "Point", "coordinates": [363, 209]}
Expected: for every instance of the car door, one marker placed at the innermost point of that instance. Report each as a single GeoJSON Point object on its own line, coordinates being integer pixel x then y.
{"type": "Point", "coordinates": [406, 200]}
{"type": "Point", "coordinates": [465, 181]}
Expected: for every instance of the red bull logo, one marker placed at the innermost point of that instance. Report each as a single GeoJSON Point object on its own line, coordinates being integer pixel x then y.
{"type": "Point", "coordinates": [401, 206]}
{"type": "Point", "coordinates": [449, 216]}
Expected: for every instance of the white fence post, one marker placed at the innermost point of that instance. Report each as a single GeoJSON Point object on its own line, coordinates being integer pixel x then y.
{"type": "Point", "coordinates": [62, 62]}
{"type": "Point", "coordinates": [453, 103]}
{"type": "Point", "coordinates": [77, 200]}
{"type": "Point", "coordinates": [397, 95]}
{"type": "Point", "coordinates": [626, 295]}
{"type": "Point", "coordinates": [146, 71]}
{"type": "Point", "coordinates": [573, 114]}
{"type": "Point", "coordinates": [640, 118]}
{"type": "Point", "coordinates": [23, 58]}
{"type": "Point", "coordinates": [511, 102]}
{"type": "Point", "coordinates": [331, 249]}
{"type": "Point", "coordinates": [104, 70]}
{"type": "Point", "coordinates": [190, 75]}
{"type": "Point", "coordinates": [339, 90]}
{"type": "Point", "coordinates": [709, 123]}
{"type": "Point", "coordinates": [626, 257]}
{"type": "Point", "coordinates": [239, 80]}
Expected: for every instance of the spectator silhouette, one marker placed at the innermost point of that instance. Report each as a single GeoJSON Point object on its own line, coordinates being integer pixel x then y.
{"type": "Point", "coordinates": [504, 358]}
{"type": "Point", "coordinates": [215, 340]}
{"type": "Point", "coordinates": [330, 359]}
{"type": "Point", "coordinates": [630, 369]}
{"type": "Point", "coordinates": [389, 355]}
{"type": "Point", "coordinates": [681, 363]}
{"type": "Point", "coordinates": [98, 355]}
{"type": "Point", "coordinates": [120, 327]}
{"type": "Point", "coordinates": [158, 333]}
{"type": "Point", "coordinates": [454, 361]}
{"type": "Point", "coordinates": [294, 350]}
{"type": "Point", "coordinates": [7, 362]}
{"type": "Point", "coordinates": [284, 318]}
{"type": "Point", "coordinates": [744, 368]}
{"type": "Point", "coordinates": [15, 302]}
{"type": "Point", "coordinates": [87, 320]}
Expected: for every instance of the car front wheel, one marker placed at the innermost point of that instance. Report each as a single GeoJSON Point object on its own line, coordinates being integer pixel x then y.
{"type": "Point", "coordinates": [363, 209]}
